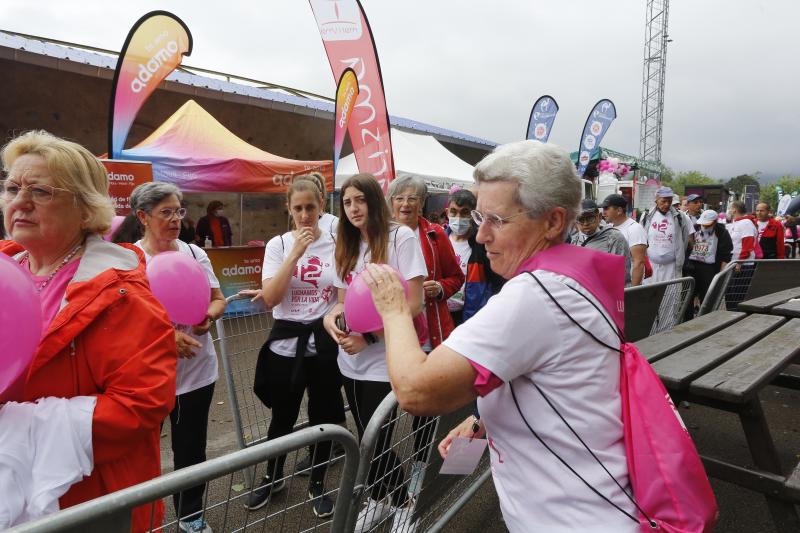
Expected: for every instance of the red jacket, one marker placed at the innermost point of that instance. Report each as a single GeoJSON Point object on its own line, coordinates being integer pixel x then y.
{"type": "Point", "coordinates": [440, 259]}
{"type": "Point", "coordinates": [771, 240]}
{"type": "Point", "coordinates": [112, 340]}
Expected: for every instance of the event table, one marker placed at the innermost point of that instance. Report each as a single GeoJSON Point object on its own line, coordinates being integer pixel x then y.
{"type": "Point", "coordinates": [722, 360]}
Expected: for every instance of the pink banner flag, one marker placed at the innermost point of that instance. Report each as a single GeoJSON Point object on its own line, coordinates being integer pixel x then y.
{"type": "Point", "coordinates": [155, 45]}
{"type": "Point", "coordinates": [346, 95]}
{"type": "Point", "coordinates": [348, 42]}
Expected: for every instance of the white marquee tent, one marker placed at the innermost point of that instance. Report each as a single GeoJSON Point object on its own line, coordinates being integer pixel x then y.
{"type": "Point", "coordinates": [419, 155]}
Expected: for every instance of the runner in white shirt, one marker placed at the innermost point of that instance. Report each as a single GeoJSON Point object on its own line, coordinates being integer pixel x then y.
{"type": "Point", "coordinates": [157, 207]}
{"type": "Point", "coordinates": [615, 212]}
{"type": "Point", "coordinates": [366, 236]}
{"type": "Point", "coordinates": [744, 233]}
{"type": "Point", "coordinates": [299, 356]}
{"type": "Point", "coordinates": [668, 231]}
{"type": "Point", "coordinates": [520, 338]}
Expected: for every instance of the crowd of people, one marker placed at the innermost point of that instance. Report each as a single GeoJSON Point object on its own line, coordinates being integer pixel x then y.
{"type": "Point", "coordinates": [487, 322]}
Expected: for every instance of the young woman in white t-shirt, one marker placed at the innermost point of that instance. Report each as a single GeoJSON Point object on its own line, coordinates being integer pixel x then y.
{"type": "Point", "coordinates": [367, 236]}
{"type": "Point", "coordinates": [157, 207]}
{"type": "Point", "coordinates": [299, 355]}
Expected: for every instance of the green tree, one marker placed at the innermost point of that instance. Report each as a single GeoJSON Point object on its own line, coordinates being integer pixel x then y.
{"type": "Point", "coordinates": [691, 177]}
{"type": "Point", "coordinates": [737, 183]}
{"type": "Point", "coordinates": [788, 184]}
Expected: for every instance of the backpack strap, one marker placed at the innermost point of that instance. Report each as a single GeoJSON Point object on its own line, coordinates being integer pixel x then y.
{"type": "Point", "coordinates": [191, 249]}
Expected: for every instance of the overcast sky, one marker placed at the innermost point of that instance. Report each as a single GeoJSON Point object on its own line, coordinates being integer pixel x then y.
{"type": "Point", "coordinates": [732, 79]}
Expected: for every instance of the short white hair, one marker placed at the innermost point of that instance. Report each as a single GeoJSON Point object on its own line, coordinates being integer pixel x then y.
{"type": "Point", "coordinates": [544, 174]}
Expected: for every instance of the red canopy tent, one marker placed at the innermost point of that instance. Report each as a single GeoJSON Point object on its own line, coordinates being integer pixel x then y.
{"type": "Point", "coordinates": [198, 154]}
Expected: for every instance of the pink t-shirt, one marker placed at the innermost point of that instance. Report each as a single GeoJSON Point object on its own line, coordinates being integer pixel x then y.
{"type": "Point", "coordinates": [54, 291]}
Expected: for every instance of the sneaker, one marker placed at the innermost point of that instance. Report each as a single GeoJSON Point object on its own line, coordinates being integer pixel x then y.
{"type": "Point", "coordinates": [373, 513]}
{"type": "Point", "coordinates": [303, 466]}
{"type": "Point", "coordinates": [260, 496]}
{"type": "Point", "coordinates": [415, 479]}
{"type": "Point", "coordinates": [197, 525]}
{"type": "Point", "coordinates": [402, 521]}
{"type": "Point", "coordinates": [322, 504]}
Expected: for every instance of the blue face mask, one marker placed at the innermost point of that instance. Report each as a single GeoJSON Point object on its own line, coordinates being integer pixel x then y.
{"type": "Point", "coordinates": [458, 225]}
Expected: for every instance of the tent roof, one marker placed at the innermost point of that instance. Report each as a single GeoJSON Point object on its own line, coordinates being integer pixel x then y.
{"type": "Point", "coordinates": [419, 155]}
{"type": "Point", "coordinates": [601, 152]}
{"type": "Point", "coordinates": [198, 154]}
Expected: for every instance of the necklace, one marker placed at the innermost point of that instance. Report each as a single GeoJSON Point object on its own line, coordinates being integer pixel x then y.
{"type": "Point", "coordinates": [40, 287]}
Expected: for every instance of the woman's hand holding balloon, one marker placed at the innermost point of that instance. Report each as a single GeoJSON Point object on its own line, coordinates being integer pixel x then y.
{"type": "Point", "coordinates": [388, 293]}
{"type": "Point", "coordinates": [203, 327]}
{"type": "Point", "coordinates": [185, 345]}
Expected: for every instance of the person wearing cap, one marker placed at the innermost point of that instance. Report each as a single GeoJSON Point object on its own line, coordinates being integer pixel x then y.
{"type": "Point", "coordinates": [605, 239]}
{"type": "Point", "coordinates": [668, 230]}
{"type": "Point", "coordinates": [694, 207]}
{"type": "Point", "coordinates": [710, 250]}
{"type": "Point", "coordinates": [615, 213]}
{"type": "Point", "coordinates": [770, 233]}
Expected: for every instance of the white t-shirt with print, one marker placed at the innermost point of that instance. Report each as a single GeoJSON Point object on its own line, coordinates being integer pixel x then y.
{"type": "Point", "coordinates": [522, 337]}
{"type": "Point", "coordinates": [463, 252]}
{"type": "Point", "coordinates": [633, 231]}
{"type": "Point", "coordinates": [202, 369]}
{"type": "Point", "coordinates": [405, 255]}
{"type": "Point", "coordinates": [661, 238]}
{"type": "Point", "coordinates": [311, 293]}
{"type": "Point", "coordinates": [739, 229]}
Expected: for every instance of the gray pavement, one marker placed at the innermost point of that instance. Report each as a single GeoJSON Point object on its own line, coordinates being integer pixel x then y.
{"type": "Point", "coordinates": [715, 433]}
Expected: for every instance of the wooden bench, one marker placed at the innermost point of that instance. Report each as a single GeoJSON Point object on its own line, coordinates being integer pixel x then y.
{"type": "Point", "coordinates": [764, 304]}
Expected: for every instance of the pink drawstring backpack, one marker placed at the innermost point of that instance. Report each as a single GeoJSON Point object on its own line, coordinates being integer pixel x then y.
{"type": "Point", "coordinates": [670, 486]}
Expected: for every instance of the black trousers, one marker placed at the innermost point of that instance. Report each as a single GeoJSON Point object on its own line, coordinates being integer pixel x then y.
{"type": "Point", "coordinates": [386, 474]}
{"type": "Point", "coordinates": [702, 273]}
{"type": "Point", "coordinates": [189, 424]}
{"type": "Point", "coordinates": [323, 380]}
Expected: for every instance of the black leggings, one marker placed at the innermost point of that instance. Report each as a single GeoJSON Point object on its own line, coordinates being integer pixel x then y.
{"type": "Point", "coordinates": [322, 378]}
{"type": "Point", "coordinates": [364, 398]}
{"type": "Point", "coordinates": [189, 423]}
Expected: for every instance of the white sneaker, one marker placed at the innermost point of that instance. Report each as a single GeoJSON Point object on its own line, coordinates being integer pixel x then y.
{"type": "Point", "coordinates": [415, 479]}
{"type": "Point", "coordinates": [373, 513]}
{"type": "Point", "coordinates": [197, 525]}
{"type": "Point", "coordinates": [402, 521]}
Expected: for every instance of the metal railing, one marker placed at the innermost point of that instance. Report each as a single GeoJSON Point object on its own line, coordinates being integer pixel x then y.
{"type": "Point", "coordinates": [744, 280]}
{"type": "Point", "coordinates": [223, 509]}
{"type": "Point", "coordinates": [657, 307]}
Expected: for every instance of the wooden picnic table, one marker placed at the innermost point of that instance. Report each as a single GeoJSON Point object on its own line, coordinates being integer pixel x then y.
{"type": "Point", "coordinates": [722, 360]}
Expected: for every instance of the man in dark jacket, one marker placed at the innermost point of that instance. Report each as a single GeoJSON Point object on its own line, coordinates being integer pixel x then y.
{"type": "Point", "coordinates": [709, 250]}
{"type": "Point", "coordinates": [770, 233]}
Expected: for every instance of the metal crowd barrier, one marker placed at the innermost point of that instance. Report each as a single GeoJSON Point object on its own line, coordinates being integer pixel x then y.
{"type": "Point", "coordinates": [744, 280]}
{"type": "Point", "coordinates": [223, 509]}
{"type": "Point", "coordinates": [657, 307]}
{"type": "Point", "coordinates": [410, 440]}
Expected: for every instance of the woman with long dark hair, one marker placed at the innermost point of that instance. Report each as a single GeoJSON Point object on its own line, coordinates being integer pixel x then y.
{"type": "Point", "coordinates": [367, 235]}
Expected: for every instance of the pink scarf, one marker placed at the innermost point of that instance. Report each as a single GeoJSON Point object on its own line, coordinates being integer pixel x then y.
{"type": "Point", "coordinates": [600, 273]}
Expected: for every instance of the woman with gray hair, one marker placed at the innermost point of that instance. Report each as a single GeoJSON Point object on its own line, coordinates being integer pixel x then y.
{"type": "Point", "coordinates": [530, 355]}
{"type": "Point", "coordinates": [157, 207]}
{"type": "Point", "coordinates": [406, 197]}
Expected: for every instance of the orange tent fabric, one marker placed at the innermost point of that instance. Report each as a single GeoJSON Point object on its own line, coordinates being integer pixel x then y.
{"type": "Point", "coordinates": [198, 154]}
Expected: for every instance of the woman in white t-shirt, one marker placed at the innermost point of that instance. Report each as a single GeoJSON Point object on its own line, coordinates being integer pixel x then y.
{"type": "Point", "coordinates": [157, 206]}
{"type": "Point", "coordinates": [327, 222]}
{"type": "Point", "coordinates": [367, 236]}
{"type": "Point", "coordinates": [298, 285]}
{"type": "Point", "coordinates": [527, 200]}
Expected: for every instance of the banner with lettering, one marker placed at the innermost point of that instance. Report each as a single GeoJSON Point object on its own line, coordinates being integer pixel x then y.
{"type": "Point", "coordinates": [155, 45]}
{"type": "Point", "coordinates": [543, 114]}
{"type": "Point", "coordinates": [597, 123]}
{"type": "Point", "coordinates": [346, 95]}
{"type": "Point", "coordinates": [123, 177]}
{"type": "Point", "coordinates": [238, 268]}
{"type": "Point", "coordinates": [348, 42]}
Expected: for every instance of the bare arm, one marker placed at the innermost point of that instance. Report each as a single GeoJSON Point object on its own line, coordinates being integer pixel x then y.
{"type": "Point", "coordinates": [637, 264]}
{"type": "Point", "coordinates": [274, 288]}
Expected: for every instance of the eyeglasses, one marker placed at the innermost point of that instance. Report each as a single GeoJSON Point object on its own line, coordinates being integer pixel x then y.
{"type": "Point", "coordinates": [410, 200]}
{"type": "Point", "coordinates": [39, 193]}
{"type": "Point", "coordinates": [495, 220]}
{"type": "Point", "coordinates": [586, 219]}
{"type": "Point", "coordinates": [167, 213]}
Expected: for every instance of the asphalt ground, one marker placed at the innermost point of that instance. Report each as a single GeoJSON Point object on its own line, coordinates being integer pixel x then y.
{"type": "Point", "coordinates": [716, 433]}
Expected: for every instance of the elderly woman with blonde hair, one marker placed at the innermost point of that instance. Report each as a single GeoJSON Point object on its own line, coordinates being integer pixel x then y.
{"type": "Point", "coordinates": [529, 355]}
{"type": "Point", "coordinates": [105, 339]}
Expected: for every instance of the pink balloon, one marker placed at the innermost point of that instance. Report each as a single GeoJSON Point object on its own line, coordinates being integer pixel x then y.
{"type": "Point", "coordinates": [20, 327]}
{"type": "Point", "coordinates": [181, 285]}
{"type": "Point", "coordinates": [359, 309]}
{"type": "Point", "coordinates": [115, 222]}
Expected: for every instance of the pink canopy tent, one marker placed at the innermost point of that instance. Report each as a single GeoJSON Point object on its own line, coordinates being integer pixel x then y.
{"type": "Point", "coordinates": [198, 154]}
